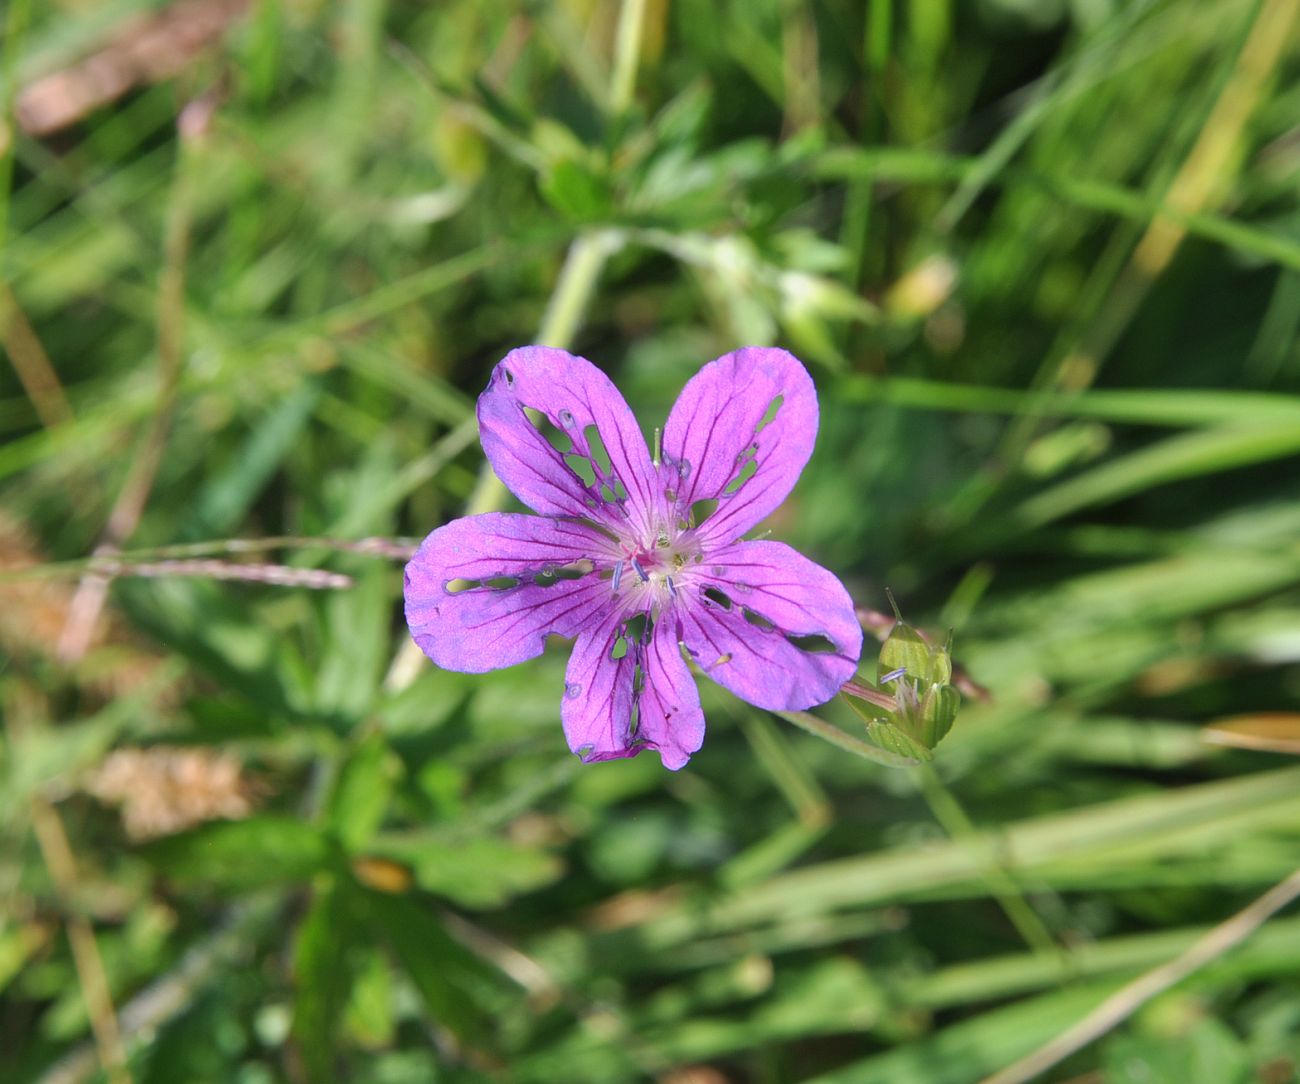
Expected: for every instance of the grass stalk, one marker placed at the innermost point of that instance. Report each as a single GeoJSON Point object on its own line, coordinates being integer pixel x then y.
{"type": "Point", "coordinates": [1126, 1001]}
{"type": "Point", "coordinates": [627, 53]}
{"type": "Point", "coordinates": [953, 818]}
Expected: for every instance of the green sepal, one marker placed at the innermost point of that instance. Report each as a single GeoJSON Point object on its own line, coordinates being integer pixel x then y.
{"type": "Point", "coordinates": [905, 648]}
{"type": "Point", "coordinates": [938, 710]}
{"type": "Point", "coordinates": [886, 734]}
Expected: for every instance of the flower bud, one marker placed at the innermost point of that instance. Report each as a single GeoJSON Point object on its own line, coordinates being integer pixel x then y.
{"type": "Point", "coordinates": [914, 703]}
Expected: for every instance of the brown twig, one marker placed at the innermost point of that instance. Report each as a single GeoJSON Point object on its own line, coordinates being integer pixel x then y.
{"type": "Point", "coordinates": [315, 579]}
{"type": "Point", "coordinates": [31, 363]}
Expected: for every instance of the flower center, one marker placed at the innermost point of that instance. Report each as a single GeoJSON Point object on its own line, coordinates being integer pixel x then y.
{"type": "Point", "coordinates": [658, 566]}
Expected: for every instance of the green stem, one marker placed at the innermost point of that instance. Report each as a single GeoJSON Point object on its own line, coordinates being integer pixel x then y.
{"type": "Point", "coordinates": [955, 821]}
{"type": "Point", "coordinates": [578, 278]}
{"type": "Point", "coordinates": [627, 52]}
{"type": "Point", "coordinates": [837, 737]}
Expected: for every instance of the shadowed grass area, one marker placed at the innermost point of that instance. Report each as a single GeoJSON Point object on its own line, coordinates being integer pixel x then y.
{"type": "Point", "coordinates": [257, 262]}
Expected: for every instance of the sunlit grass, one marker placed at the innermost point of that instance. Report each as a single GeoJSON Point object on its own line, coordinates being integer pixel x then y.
{"type": "Point", "coordinates": [1041, 260]}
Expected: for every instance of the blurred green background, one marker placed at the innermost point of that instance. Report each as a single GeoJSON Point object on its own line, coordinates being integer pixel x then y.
{"type": "Point", "coordinates": [1043, 259]}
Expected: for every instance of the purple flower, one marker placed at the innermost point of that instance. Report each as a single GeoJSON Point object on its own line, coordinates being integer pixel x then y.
{"type": "Point", "coordinates": [637, 560]}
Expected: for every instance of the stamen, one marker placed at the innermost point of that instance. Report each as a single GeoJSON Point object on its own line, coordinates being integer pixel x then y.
{"type": "Point", "coordinates": [893, 675]}
{"type": "Point", "coordinates": [618, 575]}
{"type": "Point", "coordinates": [640, 571]}
{"type": "Point", "coordinates": [672, 589]}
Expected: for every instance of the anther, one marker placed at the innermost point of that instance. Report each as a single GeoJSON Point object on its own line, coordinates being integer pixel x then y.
{"type": "Point", "coordinates": [618, 575]}
{"type": "Point", "coordinates": [893, 675]}
{"type": "Point", "coordinates": [640, 571]}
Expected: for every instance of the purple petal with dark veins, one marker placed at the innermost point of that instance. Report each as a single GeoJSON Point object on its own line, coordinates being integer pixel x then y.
{"type": "Point", "coordinates": [484, 627]}
{"type": "Point", "coordinates": [760, 595]}
{"type": "Point", "coordinates": [598, 695]}
{"type": "Point", "coordinates": [670, 717]}
{"type": "Point", "coordinates": [717, 425]}
{"type": "Point", "coordinates": [573, 394]}
{"type": "Point", "coordinates": [601, 699]}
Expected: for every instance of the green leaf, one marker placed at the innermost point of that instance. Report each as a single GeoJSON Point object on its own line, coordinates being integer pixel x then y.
{"type": "Point", "coordinates": [1201, 1051]}
{"type": "Point", "coordinates": [575, 191]}
{"type": "Point", "coordinates": [362, 793]}
{"type": "Point", "coordinates": [322, 978]}
{"type": "Point", "coordinates": [369, 1013]}
{"type": "Point", "coordinates": [458, 988]}
{"type": "Point", "coordinates": [905, 649]}
{"type": "Point", "coordinates": [241, 855]}
{"type": "Point", "coordinates": [1187, 455]}
{"type": "Point", "coordinates": [480, 872]}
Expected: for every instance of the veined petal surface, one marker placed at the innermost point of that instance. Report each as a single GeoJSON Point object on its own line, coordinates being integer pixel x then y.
{"type": "Point", "coordinates": [485, 591]}
{"type": "Point", "coordinates": [623, 696]}
{"type": "Point", "coordinates": [747, 618]}
{"type": "Point", "coordinates": [740, 432]}
{"type": "Point", "coordinates": [578, 400]}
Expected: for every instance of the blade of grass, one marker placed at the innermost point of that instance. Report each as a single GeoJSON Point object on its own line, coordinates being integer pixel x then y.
{"type": "Point", "coordinates": [1125, 1002]}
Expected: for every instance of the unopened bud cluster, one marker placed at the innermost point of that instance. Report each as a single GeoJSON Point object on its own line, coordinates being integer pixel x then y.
{"type": "Point", "coordinates": [913, 703]}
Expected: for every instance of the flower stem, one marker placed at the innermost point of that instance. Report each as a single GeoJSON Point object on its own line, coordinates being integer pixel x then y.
{"type": "Point", "coordinates": [627, 52]}
{"type": "Point", "coordinates": [578, 278]}
{"type": "Point", "coordinates": [837, 737]}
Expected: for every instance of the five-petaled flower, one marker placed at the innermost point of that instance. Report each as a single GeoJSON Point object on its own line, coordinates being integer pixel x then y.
{"type": "Point", "coordinates": [639, 560]}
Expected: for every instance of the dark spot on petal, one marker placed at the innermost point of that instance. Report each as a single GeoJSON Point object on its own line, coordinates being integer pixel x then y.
{"type": "Point", "coordinates": [814, 643]}
{"type": "Point", "coordinates": [702, 510]}
{"type": "Point", "coordinates": [717, 597]}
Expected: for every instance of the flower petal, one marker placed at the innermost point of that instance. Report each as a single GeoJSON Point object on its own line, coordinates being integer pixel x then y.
{"type": "Point", "coordinates": [670, 719]}
{"type": "Point", "coordinates": [721, 423]}
{"type": "Point", "coordinates": [610, 710]}
{"type": "Point", "coordinates": [465, 612]}
{"type": "Point", "coordinates": [598, 696]}
{"type": "Point", "coordinates": [574, 396]}
{"type": "Point", "coordinates": [744, 616]}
